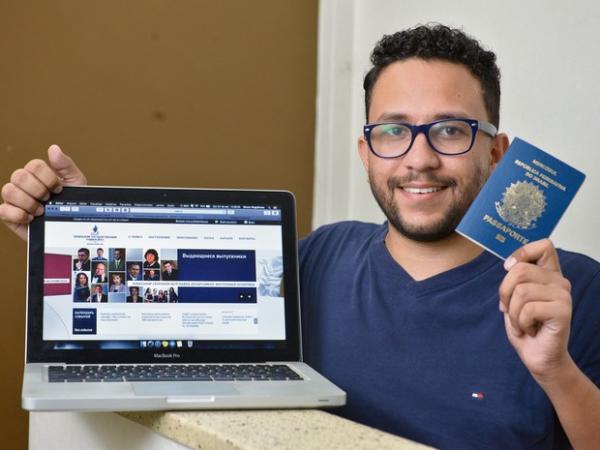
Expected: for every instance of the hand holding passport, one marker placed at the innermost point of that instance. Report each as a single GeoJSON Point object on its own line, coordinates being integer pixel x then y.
{"type": "Point", "coordinates": [522, 201]}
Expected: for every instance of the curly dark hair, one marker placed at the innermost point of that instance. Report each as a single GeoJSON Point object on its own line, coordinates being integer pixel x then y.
{"type": "Point", "coordinates": [436, 41]}
{"type": "Point", "coordinates": [151, 251]}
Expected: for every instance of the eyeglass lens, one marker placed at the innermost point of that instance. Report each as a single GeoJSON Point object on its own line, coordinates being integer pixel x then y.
{"type": "Point", "coordinates": [449, 136]}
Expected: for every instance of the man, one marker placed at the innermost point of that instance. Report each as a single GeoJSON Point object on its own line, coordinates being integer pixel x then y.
{"type": "Point", "coordinates": [99, 273]}
{"type": "Point", "coordinates": [99, 255]}
{"type": "Point", "coordinates": [133, 273]}
{"type": "Point", "coordinates": [117, 262]}
{"type": "Point", "coordinates": [99, 296]}
{"type": "Point", "coordinates": [169, 272]}
{"type": "Point", "coordinates": [82, 262]}
{"type": "Point", "coordinates": [431, 337]}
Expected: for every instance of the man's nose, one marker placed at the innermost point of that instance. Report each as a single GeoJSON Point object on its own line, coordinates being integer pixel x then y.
{"type": "Point", "coordinates": [421, 156]}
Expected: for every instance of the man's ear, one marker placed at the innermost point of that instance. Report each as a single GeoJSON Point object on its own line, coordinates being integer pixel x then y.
{"type": "Point", "coordinates": [500, 144]}
{"type": "Point", "coordinates": [363, 152]}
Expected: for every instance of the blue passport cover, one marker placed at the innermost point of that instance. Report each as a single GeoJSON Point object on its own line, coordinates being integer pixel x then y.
{"type": "Point", "coordinates": [522, 201]}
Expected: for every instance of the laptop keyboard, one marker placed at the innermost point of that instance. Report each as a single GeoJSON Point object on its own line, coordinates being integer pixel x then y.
{"type": "Point", "coordinates": [175, 372]}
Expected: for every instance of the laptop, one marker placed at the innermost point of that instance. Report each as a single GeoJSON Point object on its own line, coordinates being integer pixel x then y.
{"type": "Point", "coordinates": [164, 299]}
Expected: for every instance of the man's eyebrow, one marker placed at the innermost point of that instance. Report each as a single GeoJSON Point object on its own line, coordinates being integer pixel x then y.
{"type": "Point", "coordinates": [402, 117]}
{"type": "Point", "coordinates": [392, 116]}
{"type": "Point", "coordinates": [452, 115]}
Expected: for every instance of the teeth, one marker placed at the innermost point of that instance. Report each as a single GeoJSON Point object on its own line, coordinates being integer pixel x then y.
{"type": "Point", "coordinates": [412, 190]}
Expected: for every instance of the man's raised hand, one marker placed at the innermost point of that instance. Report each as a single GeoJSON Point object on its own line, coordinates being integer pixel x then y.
{"type": "Point", "coordinates": [33, 184]}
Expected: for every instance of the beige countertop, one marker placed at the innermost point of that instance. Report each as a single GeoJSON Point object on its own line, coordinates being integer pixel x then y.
{"type": "Point", "coordinates": [267, 429]}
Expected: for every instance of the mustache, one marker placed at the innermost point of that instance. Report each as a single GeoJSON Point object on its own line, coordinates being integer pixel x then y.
{"type": "Point", "coordinates": [393, 182]}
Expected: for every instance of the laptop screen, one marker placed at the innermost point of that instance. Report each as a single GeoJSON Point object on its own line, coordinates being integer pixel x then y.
{"type": "Point", "coordinates": [162, 275]}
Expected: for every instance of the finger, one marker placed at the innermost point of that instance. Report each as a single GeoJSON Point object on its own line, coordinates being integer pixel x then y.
{"type": "Point", "coordinates": [526, 294]}
{"type": "Point", "coordinates": [20, 199]}
{"type": "Point", "coordinates": [529, 273]}
{"type": "Point", "coordinates": [19, 229]}
{"type": "Point", "coordinates": [65, 166]}
{"type": "Point", "coordinates": [45, 175]}
{"type": "Point", "coordinates": [517, 332]}
{"type": "Point", "coordinates": [541, 253]}
{"type": "Point", "coordinates": [26, 181]}
{"type": "Point", "coordinates": [534, 315]}
{"type": "Point", "coordinates": [15, 219]}
{"type": "Point", "coordinates": [13, 214]}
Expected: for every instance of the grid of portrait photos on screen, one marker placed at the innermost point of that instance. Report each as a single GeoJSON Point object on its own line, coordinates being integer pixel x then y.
{"type": "Point", "coordinates": [125, 275]}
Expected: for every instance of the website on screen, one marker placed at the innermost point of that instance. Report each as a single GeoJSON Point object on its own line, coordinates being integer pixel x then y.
{"type": "Point", "coordinates": [120, 271]}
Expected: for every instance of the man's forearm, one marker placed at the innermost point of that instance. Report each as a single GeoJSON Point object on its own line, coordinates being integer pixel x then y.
{"type": "Point", "coordinates": [577, 403]}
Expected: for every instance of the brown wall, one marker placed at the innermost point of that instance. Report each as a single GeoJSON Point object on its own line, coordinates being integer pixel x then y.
{"type": "Point", "coordinates": [147, 92]}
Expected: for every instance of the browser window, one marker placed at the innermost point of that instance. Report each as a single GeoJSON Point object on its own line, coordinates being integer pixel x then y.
{"type": "Point", "coordinates": [133, 274]}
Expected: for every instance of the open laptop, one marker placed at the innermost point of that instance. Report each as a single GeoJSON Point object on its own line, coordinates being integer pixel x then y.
{"type": "Point", "coordinates": [155, 298]}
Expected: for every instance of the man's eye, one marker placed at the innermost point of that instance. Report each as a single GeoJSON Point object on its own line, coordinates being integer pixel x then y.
{"type": "Point", "coordinates": [394, 130]}
{"type": "Point", "coordinates": [450, 131]}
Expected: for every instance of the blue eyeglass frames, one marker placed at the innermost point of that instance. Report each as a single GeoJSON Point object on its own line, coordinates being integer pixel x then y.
{"type": "Point", "coordinates": [447, 136]}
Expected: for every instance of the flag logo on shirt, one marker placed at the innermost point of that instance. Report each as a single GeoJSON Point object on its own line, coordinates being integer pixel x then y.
{"type": "Point", "coordinates": [477, 395]}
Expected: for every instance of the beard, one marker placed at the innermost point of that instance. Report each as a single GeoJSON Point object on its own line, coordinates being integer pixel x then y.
{"type": "Point", "coordinates": [440, 229]}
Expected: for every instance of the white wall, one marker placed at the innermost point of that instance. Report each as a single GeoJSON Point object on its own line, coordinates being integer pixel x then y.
{"type": "Point", "coordinates": [549, 57]}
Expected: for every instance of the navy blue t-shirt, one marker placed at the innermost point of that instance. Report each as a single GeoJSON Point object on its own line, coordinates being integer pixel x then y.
{"type": "Point", "coordinates": [430, 360]}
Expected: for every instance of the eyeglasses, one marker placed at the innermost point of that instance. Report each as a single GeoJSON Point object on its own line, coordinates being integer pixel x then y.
{"type": "Point", "coordinates": [446, 136]}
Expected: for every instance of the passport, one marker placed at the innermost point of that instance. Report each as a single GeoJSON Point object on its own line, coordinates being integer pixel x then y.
{"type": "Point", "coordinates": [522, 200]}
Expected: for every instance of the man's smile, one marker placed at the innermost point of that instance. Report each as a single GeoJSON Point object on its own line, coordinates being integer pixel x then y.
{"type": "Point", "coordinates": [422, 190]}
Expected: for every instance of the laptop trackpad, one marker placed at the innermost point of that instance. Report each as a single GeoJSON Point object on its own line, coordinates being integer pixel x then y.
{"type": "Point", "coordinates": [183, 388]}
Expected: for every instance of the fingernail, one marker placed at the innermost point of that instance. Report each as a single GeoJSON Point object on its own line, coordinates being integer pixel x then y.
{"type": "Point", "coordinates": [58, 189]}
{"type": "Point", "coordinates": [510, 261]}
{"type": "Point", "coordinates": [39, 211]}
{"type": "Point", "coordinates": [501, 307]}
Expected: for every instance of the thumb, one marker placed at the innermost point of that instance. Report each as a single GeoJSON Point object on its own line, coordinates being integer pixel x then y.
{"type": "Point", "coordinates": [541, 253]}
{"type": "Point", "coordinates": [64, 166]}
